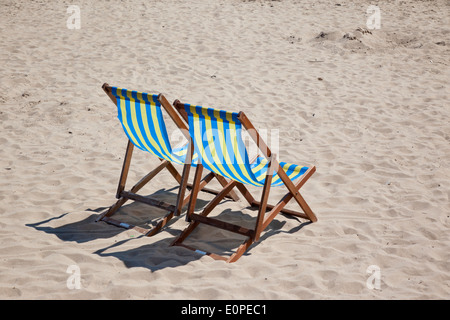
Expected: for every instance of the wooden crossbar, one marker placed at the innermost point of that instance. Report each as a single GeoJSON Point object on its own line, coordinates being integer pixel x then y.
{"type": "Point", "coordinates": [223, 225]}
{"type": "Point", "coordinates": [150, 201]}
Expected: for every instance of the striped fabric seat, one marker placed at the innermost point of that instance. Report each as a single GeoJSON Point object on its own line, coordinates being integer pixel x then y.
{"type": "Point", "coordinates": [217, 137]}
{"type": "Point", "coordinates": [142, 120]}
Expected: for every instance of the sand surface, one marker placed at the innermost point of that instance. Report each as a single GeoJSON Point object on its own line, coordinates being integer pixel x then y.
{"type": "Point", "coordinates": [368, 107]}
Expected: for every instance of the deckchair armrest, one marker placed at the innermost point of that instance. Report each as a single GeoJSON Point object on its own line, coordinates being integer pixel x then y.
{"type": "Point", "coordinates": [255, 135]}
{"type": "Point", "coordinates": [180, 108]}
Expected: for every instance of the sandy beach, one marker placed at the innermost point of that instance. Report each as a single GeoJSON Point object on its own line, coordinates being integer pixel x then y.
{"type": "Point", "coordinates": [366, 103]}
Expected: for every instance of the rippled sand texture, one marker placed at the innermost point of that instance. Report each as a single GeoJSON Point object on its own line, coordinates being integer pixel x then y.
{"type": "Point", "coordinates": [369, 108]}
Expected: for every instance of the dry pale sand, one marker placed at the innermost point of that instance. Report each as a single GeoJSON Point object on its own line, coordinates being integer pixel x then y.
{"type": "Point", "coordinates": [368, 107]}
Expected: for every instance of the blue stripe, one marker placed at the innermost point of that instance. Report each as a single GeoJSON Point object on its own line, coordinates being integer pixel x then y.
{"type": "Point", "coordinates": [243, 152]}
{"type": "Point", "coordinates": [232, 154]}
{"type": "Point", "coordinates": [130, 120]}
{"type": "Point", "coordinates": [219, 150]}
{"type": "Point", "coordinates": [162, 128]}
{"type": "Point", "coordinates": [151, 122]}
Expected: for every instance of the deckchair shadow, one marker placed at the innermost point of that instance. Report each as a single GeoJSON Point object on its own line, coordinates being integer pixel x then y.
{"type": "Point", "coordinates": [153, 256]}
{"type": "Point", "coordinates": [222, 242]}
{"type": "Point", "coordinates": [81, 231]}
{"type": "Point", "coordinates": [216, 136]}
{"type": "Point", "coordinates": [137, 213]}
{"type": "Point", "coordinates": [142, 121]}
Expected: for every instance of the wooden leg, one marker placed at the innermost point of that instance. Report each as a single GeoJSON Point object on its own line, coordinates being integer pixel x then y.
{"type": "Point", "coordinates": [125, 168]}
{"type": "Point", "coordinates": [182, 191]}
{"type": "Point", "coordinates": [264, 197]}
{"type": "Point", "coordinates": [146, 179]}
{"type": "Point", "coordinates": [160, 224]}
{"type": "Point", "coordinates": [134, 189]}
{"type": "Point", "coordinates": [124, 196]}
{"type": "Point", "coordinates": [194, 191]}
{"type": "Point", "coordinates": [244, 191]}
{"type": "Point", "coordinates": [296, 194]}
{"type": "Point", "coordinates": [112, 209]}
{"type": "Point", "coordinates": [174, 172]}
{"type": "Point", "coordinates": [241, 250]}
{"type": "Point", "coordinates": [224, 182]}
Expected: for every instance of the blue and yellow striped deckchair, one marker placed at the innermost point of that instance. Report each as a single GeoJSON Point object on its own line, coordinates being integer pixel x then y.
{"type": "Point", "coordinates": [218, 142]}
{"type": "Point", "coordinates": [142, 121]}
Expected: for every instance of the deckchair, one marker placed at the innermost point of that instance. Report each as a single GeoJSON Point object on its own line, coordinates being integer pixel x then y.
{"type": "Point", "coordinates": [217, 139]}
{"type": "Point", "coordinates": [142, 120]}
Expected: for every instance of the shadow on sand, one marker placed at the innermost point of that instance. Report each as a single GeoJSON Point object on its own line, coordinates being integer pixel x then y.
{"type": "Point", "coordinates": [157, 254]}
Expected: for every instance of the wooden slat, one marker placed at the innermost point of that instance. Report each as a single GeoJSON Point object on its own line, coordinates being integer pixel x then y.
{"type": "Point", "coordinates": [286, 211]}
{"type": "Point", "coordinates": [152, 202]}
{"type": "Point", "coordinates": [181, 110]}
{"type": "Point", "coordinates": [223, 225]}
{"type": "Point", "coordinates": [209, 190]}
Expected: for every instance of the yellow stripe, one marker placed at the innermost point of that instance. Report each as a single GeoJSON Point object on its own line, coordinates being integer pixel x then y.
{"type": "Point", "coordinates": [261, 165]}
{"type": "Point", "coordinates": [211, 145]}
{"type": "Point", "coordinates": [198, 138]}
{"type": "Point", "coordinates": [183, 152]}
{"type": "Point", "coordinates": [285, 168]}
{"type": "Point", "coordinates": [158, 132]}
{"type": "Point", "coordinates": [180, 152]}
{"type": "Point", "coordinates": [136, 125]}
{"type": "Point", "coordinates": [147, 129]}
{"type": "Point", "coordinates": [240, 161]}
{"type": "Point", "coordinates": [225, 149]}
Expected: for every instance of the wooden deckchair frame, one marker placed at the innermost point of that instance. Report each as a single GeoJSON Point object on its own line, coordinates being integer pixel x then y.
{"type": "Point", "coordinates": [123, 196]}
{"type": "Point", "coordinates": [263, 219]}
